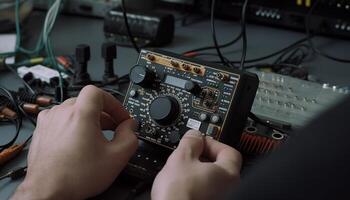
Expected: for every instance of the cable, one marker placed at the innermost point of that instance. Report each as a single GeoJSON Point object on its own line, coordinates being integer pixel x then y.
{"type": "Point", "coordinates": [213, 32]}
{"type": "Point", "coordinates": [23, 81]}
{"type": "Point", "coordinates": [15, 174]}
{"type": "Point", "coordinates": [244, 34]}
{"type": "Point", "coordinates": [50, 19]}
{"type": "Point", "coordinates": [17, 122]}
{"type": "Point", "coordinates": [131, 37]}
{"type": "Point", "coordinates": [275, 53]}
{"type": "Point", "coordinates": [195, 51]}
{"type": "Point", "coordinates": [18, 47]}
{"type": "Point", "coordinates": [313, 47]}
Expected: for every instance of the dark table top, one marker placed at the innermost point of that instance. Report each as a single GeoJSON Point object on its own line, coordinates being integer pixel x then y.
{"type": "Point", "coordinates": [73, 30]}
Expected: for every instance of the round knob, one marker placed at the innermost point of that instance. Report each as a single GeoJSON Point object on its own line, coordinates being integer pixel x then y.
{"type": "Point", "coordinates": [193, 87]}
{"type": "Point", "coordinates": [142, 76]}
{"type": "Point", "coordinates": [109, 51]}
{"type": "Point", "coordinates": [82, 53]}
{"type": "Point", "coordinates": [164, 110]}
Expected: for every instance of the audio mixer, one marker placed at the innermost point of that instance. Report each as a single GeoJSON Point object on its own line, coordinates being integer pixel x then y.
{"type": "Point", "coordinates": [170, 94]}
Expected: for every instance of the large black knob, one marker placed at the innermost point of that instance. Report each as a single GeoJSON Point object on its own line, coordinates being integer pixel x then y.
{"type": "Point", "coordinates": [193, 87]}
{"type": "Point", "coordinates": [164, 110]}
{"type": "Point", "coordinates": [142, 76]}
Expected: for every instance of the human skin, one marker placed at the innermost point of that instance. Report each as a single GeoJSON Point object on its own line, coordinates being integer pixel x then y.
{"type": "Point", "coordinates": [69, 157]}
{"type": "Point", "coordinates": [200, 168]}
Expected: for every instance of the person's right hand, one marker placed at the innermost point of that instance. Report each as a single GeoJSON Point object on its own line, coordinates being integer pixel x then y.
{"type": "Point", "coordinates": [200, 168]}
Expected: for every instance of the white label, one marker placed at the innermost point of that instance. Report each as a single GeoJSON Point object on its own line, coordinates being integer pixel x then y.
{"type": "Point", "coordinates": [193, 124]}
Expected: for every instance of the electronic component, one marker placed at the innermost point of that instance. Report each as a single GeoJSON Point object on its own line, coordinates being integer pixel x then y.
{"type": "Point", "coordinates": [187, 2]}
{"type": "Point", "coordinates": [6, 112]}
{"type": "Point", "coordinates": [39, 72]}
{"type": "Point", "coordinates": [11, 152]}
{"type": "Point", "coordinates": [287, 101]}
{"type": "Point", "coordinates": [329, 17]}
{"type": "Point", "coordinates": [82, 54]}
{"type": "Point", "coordinates": [147, 27]}
{"type": "Point", "coordinates": [257, 139]}
{"type": "Point", "coordinates": [168, 99]}
{"type": "Point", "coordinates": [7, 13]}
{"type": "Point", "coordinates": [95, 8]}
{"type": "Point", "coordinates": [109, 53]}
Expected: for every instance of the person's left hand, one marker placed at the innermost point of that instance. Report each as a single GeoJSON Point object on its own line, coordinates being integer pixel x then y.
{"type": "Point", "coordinates": [69, 157]}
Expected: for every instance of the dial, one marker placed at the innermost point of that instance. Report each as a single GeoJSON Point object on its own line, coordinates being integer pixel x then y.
{"type": "Point", "coordinates": [164, 110]}
{"type": "Point", "coordinates": [193, 87]}
{"type": "Point", "coordinates": [142, 76]}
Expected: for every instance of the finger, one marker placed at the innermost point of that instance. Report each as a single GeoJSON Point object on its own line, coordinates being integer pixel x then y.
{"type": "Point", "coordinates": [42, 116]}
{"type": "Point", "coordinates": [124, 143]}
{"type": "Point", "coordinates": [93, 101]}
{"type": "Point", "coordinates": [70, 101]}
{"type": "Point", "coordinates": [191, 145]}
{"type": "Point", "coordinates": [107, 122]}
{"type": "Point", "coordinates": [222, 154]}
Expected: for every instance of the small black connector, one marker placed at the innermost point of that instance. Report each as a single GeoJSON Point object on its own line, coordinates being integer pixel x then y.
{"type": "Point", "coordinates": [15, 174]}
{"type": "Point", "coordinates": [109, 53]}
{"type": "Point", "coordinates": [82, 54]}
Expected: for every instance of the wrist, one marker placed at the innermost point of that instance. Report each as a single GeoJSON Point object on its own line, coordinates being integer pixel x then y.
{"type": "Point", "coordinates": [31, 190]}
{"type": "Point", "coordinates": [171, 193]}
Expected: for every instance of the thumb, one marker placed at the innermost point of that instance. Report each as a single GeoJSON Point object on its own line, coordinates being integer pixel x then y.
{"type": "Point", "coordinates": [125, 143]}
{"type": "Point", "coordinates": [191, 145]}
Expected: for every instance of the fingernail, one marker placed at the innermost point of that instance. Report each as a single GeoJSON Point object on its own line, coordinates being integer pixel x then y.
{"type": "Point", "coordinates": [194, 133]}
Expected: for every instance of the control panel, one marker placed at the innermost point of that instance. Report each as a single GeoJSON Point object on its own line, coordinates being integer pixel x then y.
{"type": "Point", "coordinates": [170, 94]}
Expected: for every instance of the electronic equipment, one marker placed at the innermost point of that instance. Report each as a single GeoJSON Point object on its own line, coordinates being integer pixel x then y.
{"type": "Point", "coordinates": [290, 102]}
{"type": "Point", "coordinates": [7, 13]}
{"type": "Point", "coordinates": [170, 94]}
{"type": "Point", "coordinates": [258, 139]}
{"type": "Point", "coordinates": [187, 2]}
{"type": "Point", "coordinates": [147, 27]}
{"type": "Point", "coordinates": [330, 18]}
{"type": "Point", "coordinates": [94, 8]}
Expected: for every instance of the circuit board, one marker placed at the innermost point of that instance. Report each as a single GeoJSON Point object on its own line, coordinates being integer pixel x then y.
{"type": "Point", "coordinates": [292, 102]}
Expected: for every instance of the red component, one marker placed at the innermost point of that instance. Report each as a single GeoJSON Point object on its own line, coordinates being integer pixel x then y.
{"type": "Point", "coordinates": [8, 113]}
{"type": "Point", "coordinates": [31, 108]}
{"type": "Point", "coordinates": [257, 144]}
{"type": "Point", "coordinates": [63, 61]}
{"type": "Point", "coordinates": [44, 101]}
{"type": "Point", "coordinates": [191, 54]}
{"type": "Point", "coordinates": [10, 153]}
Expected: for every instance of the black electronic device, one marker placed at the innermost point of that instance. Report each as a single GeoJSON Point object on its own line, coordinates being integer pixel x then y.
{"type": "Point", "coordinates": [330, 18]}
{"type": "Point", "coordinates": [147, 27]}
{"type": "Point", "coordinates": [82, 54]}
{"type": "Point", "coordinates": [170, 94]}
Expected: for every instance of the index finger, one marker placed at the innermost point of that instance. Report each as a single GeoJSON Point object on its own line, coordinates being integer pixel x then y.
{"type": "Point", "coordinates": [93, 101]}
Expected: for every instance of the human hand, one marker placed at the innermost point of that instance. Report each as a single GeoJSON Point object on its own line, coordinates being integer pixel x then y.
{"type": "Point", "coordinates": [200, 168]}
{"type": "Point", "coordinates": [69, 157]}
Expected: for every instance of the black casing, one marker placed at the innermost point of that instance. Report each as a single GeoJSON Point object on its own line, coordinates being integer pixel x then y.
{"type": "Point", "coordinates": [149, 27]}
{"type": "Point", "coordinates": [231, 126]}
{"type": "Point", "coordinates": [330, 17]}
